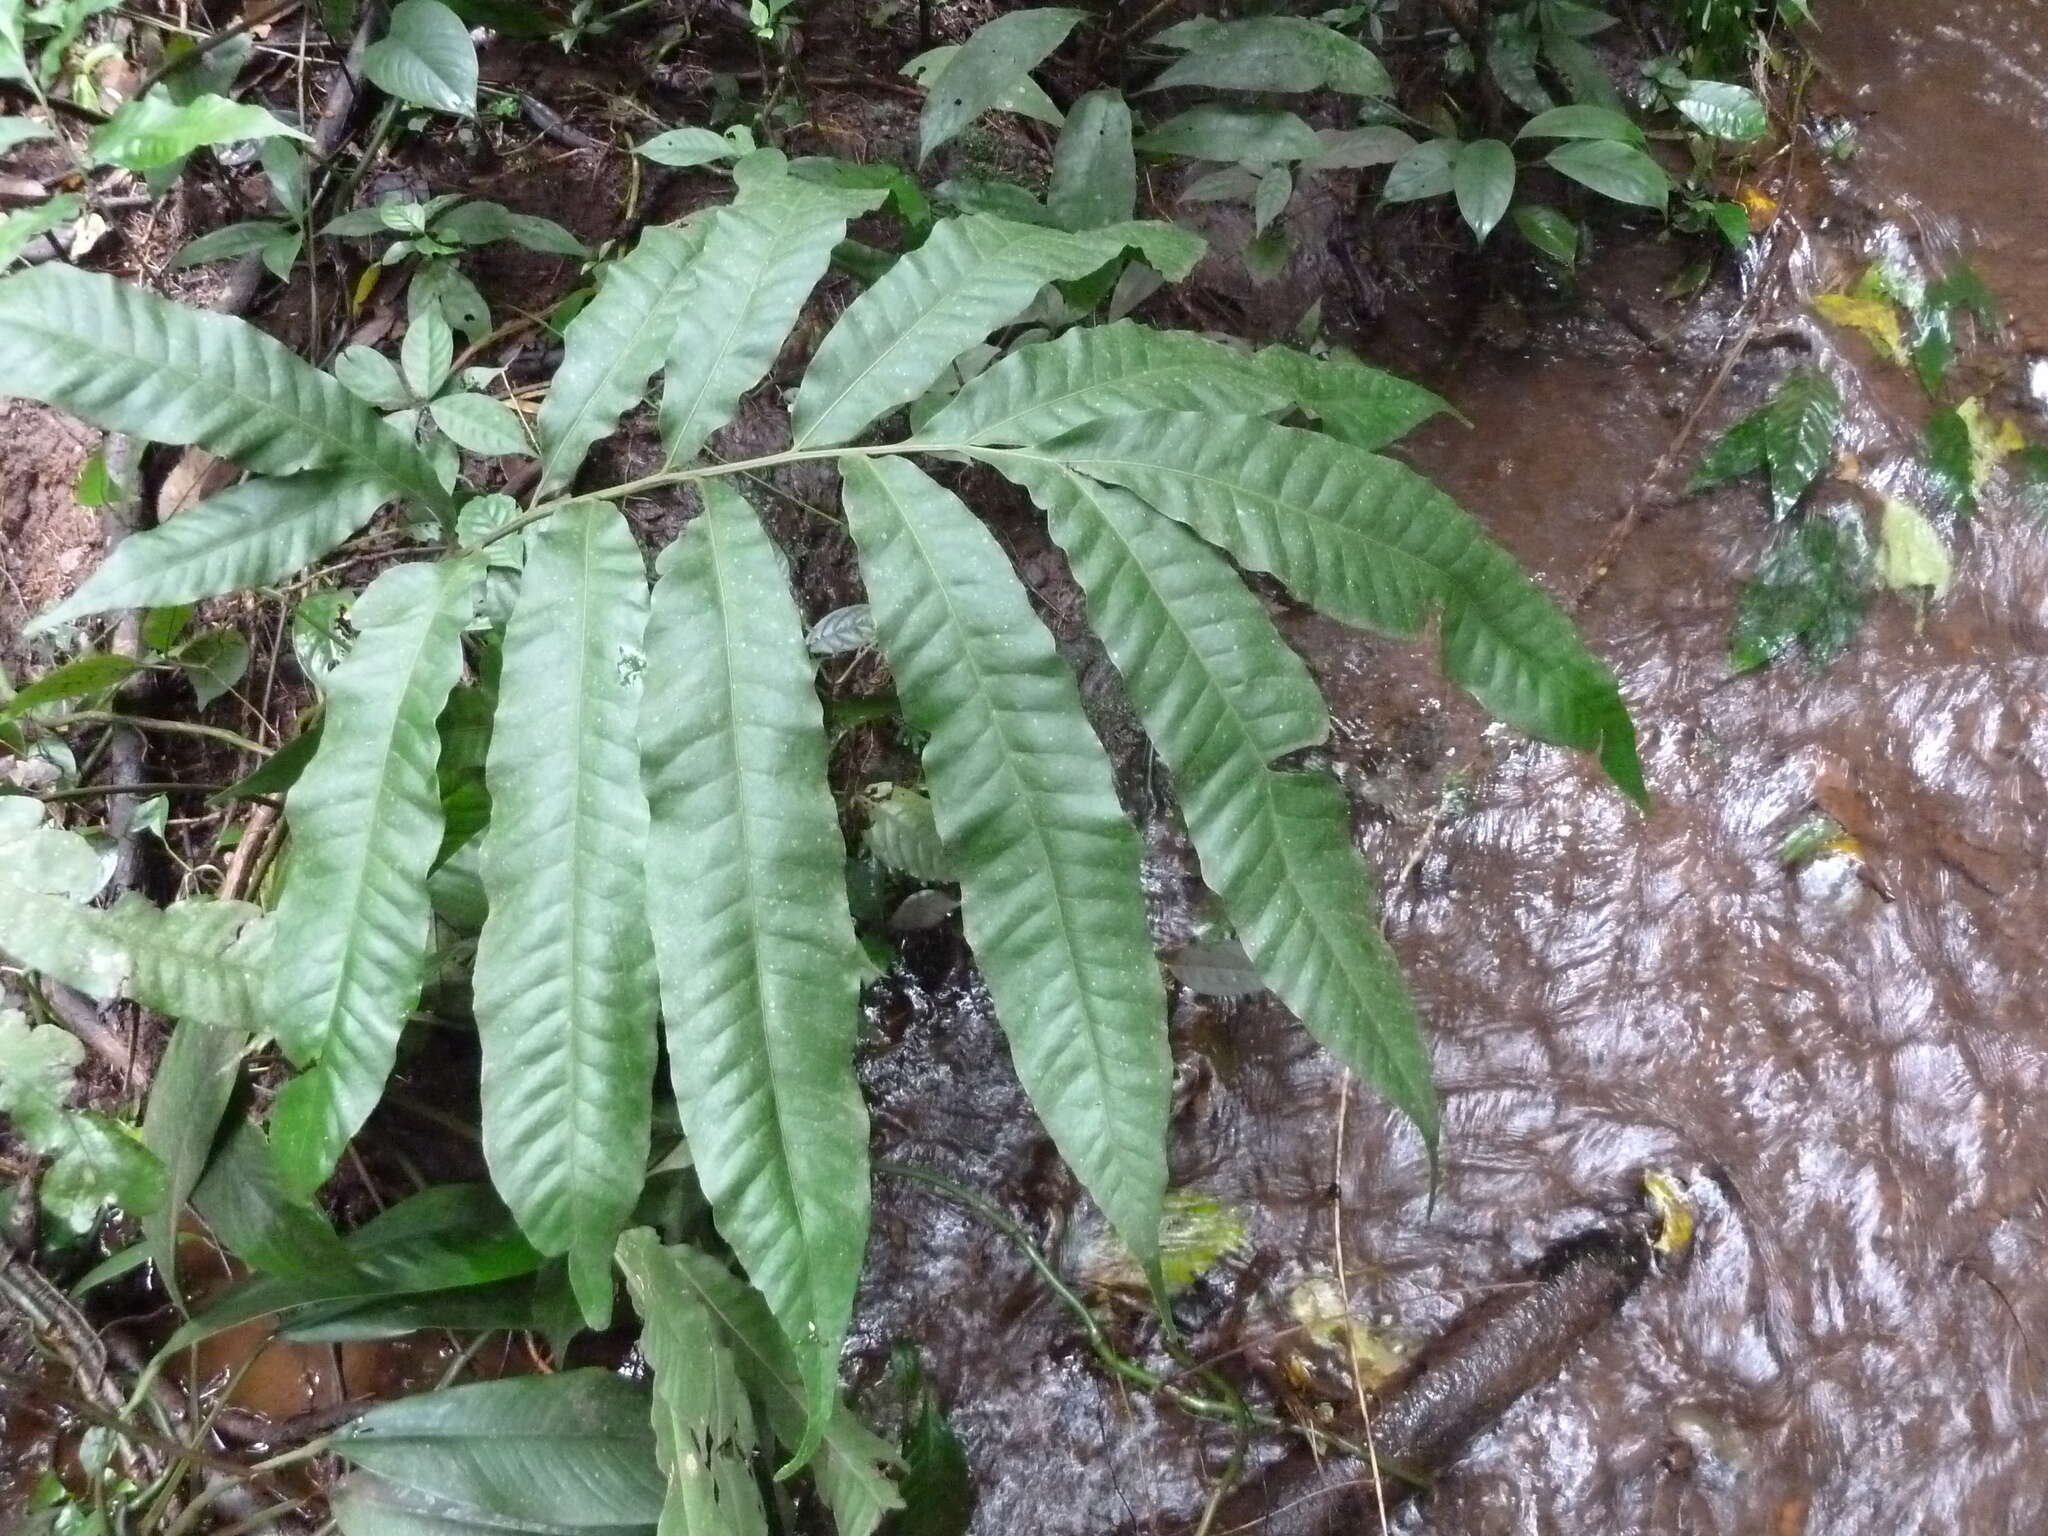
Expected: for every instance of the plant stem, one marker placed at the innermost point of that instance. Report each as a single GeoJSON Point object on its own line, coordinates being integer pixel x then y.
{"type": "Point", "coordinates": [217, 733]}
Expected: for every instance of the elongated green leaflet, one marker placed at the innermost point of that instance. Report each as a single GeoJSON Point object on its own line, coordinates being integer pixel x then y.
{"type": "Point", "coordinates": [1221, 696]}
{"type": "Point", "coordinates": [703, 1422]}
{"type": "Point", "coordinates": [1040, 391]}
{"type": "Point", "coordinates": [752, 937]}
{"type": "Point", "coordinates": [187, 1098]}
{"type": "Point", "coordinates": [1048, 861]}
{"type": "Point", "coordinates": [350, 933]}
{"type": "Point", "coordinates": [972, 275]}
{"type": "Point", "coordinates": [122, 357]}
{"type": "Point", "coordinates": [250, 534]}
{"type": "Point", "coordinates": [612, 348]}
{"type": "Point", "coordinates": [849, 1468]}
{"type": "Point", "coordinates": [564, 982]}
{"type": "Point", "coordinates": [762, 257]}
{"type": "Point", "coordinates": [1371, 542]}
{"type": "Point", "coordinates": [993, 63]}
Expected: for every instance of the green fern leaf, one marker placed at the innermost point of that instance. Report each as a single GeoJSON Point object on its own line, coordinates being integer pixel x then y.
{"type": "Point", "coordinates": [972, 275]}
{"type": "Point", "coordinates": [1040, 391]}
{"type": "Point", "coordinates": [703, 1422]}
{"type": "Point", "coordinates": [761, 258]}
{"type": "Point", "coordinates": [351, 930]}
{"type": "Point", "coordinates": [1370, 542]}
{"type": "Point", "coordinates": [564, 982]}
{"type": "Point", "coordinates": [253, 533]}
{"type": "Point", "coordinates": [851, 1461]}
{"type": "Point", "coordinates": [1221, 696]}
{"type": "Point", "coordinates": [1048, 861]}
{"type": "Point", "coordinates": [129, 361]}
{"type": "Point", "coordinates": [758, 961]}
{"type": "Point", "coordinates": [612, 348]}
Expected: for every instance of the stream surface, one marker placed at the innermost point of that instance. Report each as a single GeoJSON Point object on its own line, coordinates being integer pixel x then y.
{"type": "Point", "coordinates": [1857, 1085]}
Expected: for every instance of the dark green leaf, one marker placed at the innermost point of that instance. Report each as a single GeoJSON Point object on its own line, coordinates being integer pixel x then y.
{"type": "Point", "coordinates": [1549, 231]}
{"type": "Point", "coordinates": [187, 1098]}
{"type": "Point", "coordinates": [1483, 176]}
{"type": "Point", "coordinates": [1365, 407]}
{"type": "Point", "coordinates": [1951, 460]}
{"type": "Point", "coordinates": [1582, 122]}
{"type": "Point", "coordinates": [1237, 135]}
{"type": "Point", "coordinates": [1619, 171]}
{"type": "Point", "coordinates": [1425, 171]}
{"type": "Point", "coordinates": [1811, 590]}
{"type": "Point", "coordinates": [227, 241]}
{"type": "Point", "coordinates": [1357, 148]}
{"type": "Point", "coordinates": [153, 131]}
{"type": "Point", "coordinates": [213, 662]}
{"type": "Point", "coordinates": [77, 679]}
{"type": "Point", "coordinates": [426, 58]}
{"type": "Point", "coordinates": [1799, 429]}
{"type": "Point", "coordinates": [1276, 53]}
{"type": "Point", "coordinates": [1094, 172]}
{"type": "Point", "coordinates": [480, 222]}
{"type": "Point", "coordinates": [564, 981]}
{"type": "Point", "coordinates": [1511, 60]}
{"type": "Point", "coordinates": [1048, 861]}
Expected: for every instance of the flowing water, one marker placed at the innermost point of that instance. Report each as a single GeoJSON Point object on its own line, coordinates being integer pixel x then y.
{"type": "Point", "coordinates": [1850, 1061]}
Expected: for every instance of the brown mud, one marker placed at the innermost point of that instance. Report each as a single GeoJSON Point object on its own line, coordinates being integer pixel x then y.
{"type": "Point", "coordinates": [1851, 1085]}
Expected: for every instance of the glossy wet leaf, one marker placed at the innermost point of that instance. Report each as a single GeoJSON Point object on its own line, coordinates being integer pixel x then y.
{"type": "Point", "coordinates": [755, 948]}
{"type": "Point", "coordinates": [938, 1484]}
{"type": "Point", "coordinates": [1724, 110]}
{"type": "Point", "coordinates": [425, 58]}
{"type": "Point", "coordinates": [574, 1449]}
{"type": "Point", "coordinates": [131, 362]}
{"type": "Point", "coordinates": [155, 131]}
{"type": "Point", "coordinates": [614, 344]}
{"type": "Point", "coordinates": [1549, 231]}
{"type": "Point", "coordinates": [1234, 134]}
{"type": "Point", "coordinates": [1579, 121]}
{"type": "Point", "coordinates": [1910, 554]}
{"type": "Point", "coordinates": [1511, 54]}
{"type": "Point", "coordinates": [351, 929]}
{"type": "Point", "coordinates": [1222, 697]}
{"type": "Point", "coordinates": [564, 981]}
{"type": "Point", "coordinates": [1811, 590]}
{"type": "Point", "coordinates": [851, 1467]}
{"type": "Point", "coordinates": [1616, 170]}
{"type": "Point", "coordinates": [1039, 391]}
{"type": "Point", "coordinates": [1372, 543]}
{"type": "Point", "coordinates": [1048, 862]}
{"type": "Point", "coordinates": [1483, 177]}
{"type": "Point", "coordinates": [972, 275]}
{"type": "Point", "coordinates": [1365, 407]}
{"type": "Point", "coordinates": [989, 66]}
{"type": "Point", "coordinates": [1274, 53]}
{"type": "Point", "coordinates": [1094, 170]}
{"type": "Point", "coordinates": [761, 257]}
{"type": "Point", "coordinates": [1425, 171]}
{"type": "Point", "coordinates": [1873, 317]}
{"type": "Point", "coordinates": [1799, 429]}
{"type": "Point", "coordinates": [703, 1422]}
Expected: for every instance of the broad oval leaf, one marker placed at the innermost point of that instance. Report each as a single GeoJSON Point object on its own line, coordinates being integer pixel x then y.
{"type": "Point", "coordinates": [1724, 110]}
{"type": "Point", "coordinates": [1048, 861]}
{"type": "Point", "coordinates": [753, 941]}
{"type": "Point", "coordinates": [703, 1422]}
{"type": "Point", "coordinates": [1094, 172]}
{"type": "Point", "coordinates": [761, 257]}
{"type": "Point", "coordinates": [1357, 148]}
{"type": "Point", "coordinates": [972, 275]}
{"type": "Point", "coordinates": [480, 424]}
{"type": "Point", "coordinates": [574, 1449]}
{"type": "Point", "coordinates": [153, 132]}
{"type": "Point", "coordinates": [1371, 542]}
{"type": "Point", "coordinates": [227, 241]}
{"type": "Point", "coordinates": [352, 926]}
{"type": "Point", "coordinates": [1798, 434]}
{"type": "Point", "coordinates": [990, 64]}
{"type": "Point", "coordinates": [1237, 135]}
{"type": "Point", "coordinates": [564, 981]}
{"type": "Point", "coordinates": [1221, 696]}
{"type": "Point", "coordinates": [1579, 121]}
{"type": "Point", "coordinates": [849, 1466]}
{"type": "Point", "coordinates": [614, 345]}
{"type": "Point", "coordinates": [250, 534]}
{"type": "Point", "coordinates": [1040, 391]}
{"type": "Point", "coordinates": [425, 57]}
{"type": "Point", "coordinates": [1483, 176]}
{"type": "Point", "coordinates": [1619, 171]}
{"type": "Point", "coordinates": [1425, 171]}
{"type": "Point", "coordinates": [687, 147]}
{"type": "Point", "coordinates": [1276, 53]}
{"type": "Point", "coordinates": [131, 362]}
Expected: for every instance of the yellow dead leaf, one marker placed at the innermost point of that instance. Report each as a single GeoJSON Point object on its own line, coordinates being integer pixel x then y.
{"type": "Point", "coordinates": [365, 285]}
{"type": "Point", "coordinates": [1761, 205]}
{"type": "Point", "coordinates": [1674, 1212]}
{"type": "Point", "coordinates": [1877, 319]}
{"type": "Point", "coordinates": [1990, 440]}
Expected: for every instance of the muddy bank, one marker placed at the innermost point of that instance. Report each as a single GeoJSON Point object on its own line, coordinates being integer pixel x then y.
{"type": "Point", "coordinates": [1853, 1348]}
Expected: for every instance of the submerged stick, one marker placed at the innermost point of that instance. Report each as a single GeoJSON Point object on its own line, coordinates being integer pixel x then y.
{"type": "Point", "coordinates": [1464, 1382]}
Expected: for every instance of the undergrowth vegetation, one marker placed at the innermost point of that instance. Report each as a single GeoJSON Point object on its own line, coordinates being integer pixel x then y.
{"type": "Point", "coordinates": [567, 785]}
